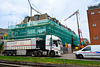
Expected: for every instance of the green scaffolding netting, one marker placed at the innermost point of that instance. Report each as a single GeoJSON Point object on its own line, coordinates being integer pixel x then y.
{"type": "Point", "coordinates": [41, 29]}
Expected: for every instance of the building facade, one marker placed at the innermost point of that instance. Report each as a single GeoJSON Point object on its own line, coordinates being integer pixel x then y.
{"type": "Point", "coordinates": [40, 26]}
{"type": "Point", "coordinates": [93, 13]}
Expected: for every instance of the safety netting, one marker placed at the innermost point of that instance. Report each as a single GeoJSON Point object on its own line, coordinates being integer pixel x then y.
{"type": "Point", "coordinates": [40, 29]}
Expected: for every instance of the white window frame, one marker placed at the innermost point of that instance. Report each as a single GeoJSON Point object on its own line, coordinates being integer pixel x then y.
{"type": "Point", "coordinates": [96, 38]}
{"type": "Point", "coordinates": [94, 25]}
{"type": "Point", "coordinates": [92, 13]}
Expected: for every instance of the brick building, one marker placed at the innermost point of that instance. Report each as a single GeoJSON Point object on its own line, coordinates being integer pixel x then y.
{"type": "Point", "coordinates": [93, 13]}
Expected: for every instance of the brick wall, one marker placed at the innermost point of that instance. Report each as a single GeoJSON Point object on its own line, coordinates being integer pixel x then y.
{"type": "Point", "coordinates": [94, 30]}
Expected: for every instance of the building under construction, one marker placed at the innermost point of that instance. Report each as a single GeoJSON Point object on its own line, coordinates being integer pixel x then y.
{"type": "Point", "coordinates": [40, 26]}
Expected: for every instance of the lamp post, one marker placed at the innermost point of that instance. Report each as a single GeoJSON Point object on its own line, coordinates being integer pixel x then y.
{"type": "Point", "coordinates": [51, 43]}
{"type": "Point", "coordinates": [51, 40]}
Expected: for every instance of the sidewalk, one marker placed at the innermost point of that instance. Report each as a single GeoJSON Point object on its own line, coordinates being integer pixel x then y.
{"type": "Point", "coordinates": [68, 56]}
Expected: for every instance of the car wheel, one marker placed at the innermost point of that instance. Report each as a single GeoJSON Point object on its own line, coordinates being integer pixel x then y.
{"type": "Point", "coordinates": [32, 54]}
{"type": "Point", "coordinates": [39, 54]}
{"type": "Point", "coordinates": [52, 54]}
{"type": "Point", "coordinates": [35, 53]}
{"type": "Point", "coordinates": [80, 56]}
{"type": "Point", "coordinates": [5, 54]}
{"type": "Point", "coordinates": [14, 54]}
{"type": "Point", "coordinates": [9, 54]}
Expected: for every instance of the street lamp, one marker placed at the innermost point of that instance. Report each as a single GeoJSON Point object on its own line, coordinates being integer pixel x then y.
{"type": "Point", "coordinates": [51, 43]}
{"type": "Point", "coordinates": [51, 40]}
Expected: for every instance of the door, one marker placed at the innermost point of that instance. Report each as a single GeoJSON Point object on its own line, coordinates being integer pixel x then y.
{"type": "Point", "coordinates": [87, 53]}
{"type": "Point", "coordinates": [55, 45]}
{"type": "Point", "coordinates": [96, 51]}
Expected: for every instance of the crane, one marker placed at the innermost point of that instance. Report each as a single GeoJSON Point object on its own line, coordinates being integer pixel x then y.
{"type": "Point", "coordinates": [79, 31]}
{"type": "Point", "coordinates": [33, 9]}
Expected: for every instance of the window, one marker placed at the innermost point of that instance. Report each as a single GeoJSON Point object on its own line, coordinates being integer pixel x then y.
{"type": "Point", "coordinates": [55, 43]}
{"type": "Point", "coordinates": [94, 25]}
{"type": "Point", "coordinates": [36, 17]}
{"type": "Point", "coordinates": [95, 37]}
{"type": "Point", "coordinates": [49, 17]}
{"type": "Point", "coordinates": [59, 42]}
{"type": "Point", "coordinates": [99, 11]}
{"type": "Point", "coordinates": [87, 48]}
{"type": "Point", "coordinates": [27, 19]}
{"type": "Point", "coordinates": [92, 12]}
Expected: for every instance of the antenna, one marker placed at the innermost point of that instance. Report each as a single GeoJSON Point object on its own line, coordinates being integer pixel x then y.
{"type": "Point", "coordinates": [32, 8]}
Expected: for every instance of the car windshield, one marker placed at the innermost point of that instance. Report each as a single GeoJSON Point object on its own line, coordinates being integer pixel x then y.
{"type": "Point", "coordinates": [87, 48]}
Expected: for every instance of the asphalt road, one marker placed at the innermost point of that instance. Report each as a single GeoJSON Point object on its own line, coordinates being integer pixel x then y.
{"type": "Point", "coordinates": [72, 56]}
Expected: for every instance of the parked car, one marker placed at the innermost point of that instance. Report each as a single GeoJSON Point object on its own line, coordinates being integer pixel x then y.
{"type": "Point", "coordinates": [90, 51]}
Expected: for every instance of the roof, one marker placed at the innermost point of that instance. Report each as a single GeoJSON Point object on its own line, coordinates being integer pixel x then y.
{"type": "Point", "coordinates": [37, 17]}
{"type": "Point", "coordinates": [94, 7]}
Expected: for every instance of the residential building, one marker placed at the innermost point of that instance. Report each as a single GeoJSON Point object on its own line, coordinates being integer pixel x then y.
{"type": "Point", "coordinates": [93, 13]}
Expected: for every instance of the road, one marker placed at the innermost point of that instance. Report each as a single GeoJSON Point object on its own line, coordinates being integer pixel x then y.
{"type": "Point", "coordinates": [72, 56]}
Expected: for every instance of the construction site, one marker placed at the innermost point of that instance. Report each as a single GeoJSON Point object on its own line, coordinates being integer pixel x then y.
{"type": "Point", "coordinates": [40, 39]}
{"type": "Point", "coordinates": [41, 25]}
{"type": "Point", "coordinates": [40, 35]}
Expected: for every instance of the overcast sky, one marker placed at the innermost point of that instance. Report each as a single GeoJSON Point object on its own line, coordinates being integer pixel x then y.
{"type": "Point", "coordinates": [14, 11]}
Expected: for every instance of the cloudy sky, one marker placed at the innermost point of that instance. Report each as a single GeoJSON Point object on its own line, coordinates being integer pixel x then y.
{"type": "Point", "coordinates": [13, 11]}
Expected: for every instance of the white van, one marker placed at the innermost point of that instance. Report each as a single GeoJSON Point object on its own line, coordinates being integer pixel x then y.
{"type": "Point", "coordinates": [90, 51]}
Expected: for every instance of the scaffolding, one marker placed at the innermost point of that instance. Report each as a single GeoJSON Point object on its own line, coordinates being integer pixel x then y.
{"type": "Point", "coordinates": [40, 29]}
